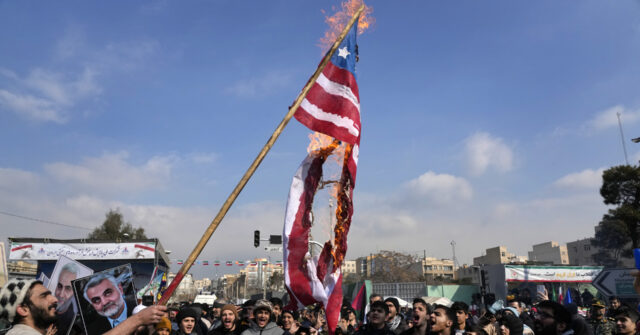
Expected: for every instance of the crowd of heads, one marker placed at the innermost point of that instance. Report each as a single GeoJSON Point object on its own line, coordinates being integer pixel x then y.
{"type": "Point", "coordinates": [28, 302]}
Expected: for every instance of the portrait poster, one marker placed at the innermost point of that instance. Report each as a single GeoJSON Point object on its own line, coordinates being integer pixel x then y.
{"type": "Point", "coordinates": [106, 298]}
{"type": "Point", "coordinates": [64, 273]}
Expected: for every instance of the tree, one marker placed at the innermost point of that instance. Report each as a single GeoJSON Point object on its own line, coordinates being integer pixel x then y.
{"type": "Point", "coordinates": [114, 228]}
{"type": "Point", "coordinates": [619, 227]}
{"type": "Point", "coordinates": [612, 238]}
{"type": "Point", "coordinates": [392, 267]}
{"type": "Point", "coordinates": [276, 281]}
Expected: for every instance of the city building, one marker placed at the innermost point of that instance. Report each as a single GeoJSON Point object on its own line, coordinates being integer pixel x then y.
{"type": "Point", "coordinates": [498, 255]}
{"type": "Point", "coordinates": [581, 253]}
{"type": "Point", "coordinates": [364, 265]}
{"type": "Point", "coordinates": [259, 272]}
{"type": "Point", "coordinates": [549, 252]}
{"type": "Point", "coordinates": [348, 267]}
{"type": "Point", "coordinates": [468, 274]}
{"type": "Point", "coordinates": [185, 291]}
{"type": "Point", "coordinates": [438, 269]}
{"type": "Point", "coordinates": [203, 284]}
{"type": "Point", "coordinates": [21, 269]}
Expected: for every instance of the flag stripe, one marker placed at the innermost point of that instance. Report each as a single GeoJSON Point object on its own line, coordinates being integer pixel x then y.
{"type": "Point", "coordinates": [339, 90]}
{"type": "Point", "coordinates": [326, 127]}
{"type": "Point", "coordinates": [342, 77]}
{"type": "Point", "coordinates": [335, 105]}
{"type": "Point", "coordinates": [332, 105]}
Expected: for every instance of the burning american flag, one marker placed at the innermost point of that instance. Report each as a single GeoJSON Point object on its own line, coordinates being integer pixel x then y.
{"type": "Point", "coordinates": [331, 107]}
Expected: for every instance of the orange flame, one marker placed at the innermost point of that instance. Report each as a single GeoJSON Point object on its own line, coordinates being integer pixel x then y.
{"type": "Point", "coordinates": [338, 20]}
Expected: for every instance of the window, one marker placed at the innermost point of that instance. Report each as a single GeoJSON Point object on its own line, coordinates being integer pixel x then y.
{"type": "Point", "coordinates": [502, 254]}
{"type": "Point", "coordinates": [587, 247]}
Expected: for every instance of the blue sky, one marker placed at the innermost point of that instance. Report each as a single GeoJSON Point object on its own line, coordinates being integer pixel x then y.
{"type": "Point", "coordinates": [487, 123]}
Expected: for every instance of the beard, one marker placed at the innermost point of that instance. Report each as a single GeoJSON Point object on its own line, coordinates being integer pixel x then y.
{"type": "Point", "coordinates": [63, 305]}
{"type": "Point", "coordinates": [41, 317]}
{"type": "Point", "coordinates": [111, 309]}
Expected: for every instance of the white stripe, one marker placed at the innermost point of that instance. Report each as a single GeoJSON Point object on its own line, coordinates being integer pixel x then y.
{"type": "Point", "coordinates": [339, 121]}
{"type": "Point", "coordinates": [293, 204]}
{"type": "Point", "coordinates": [355, 153]}
{"type": "Point", "coordinates": [338, 89]}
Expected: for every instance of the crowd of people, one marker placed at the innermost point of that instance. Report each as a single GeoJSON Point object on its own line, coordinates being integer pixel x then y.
{"type": "Point", "coordinates": [30, 309]}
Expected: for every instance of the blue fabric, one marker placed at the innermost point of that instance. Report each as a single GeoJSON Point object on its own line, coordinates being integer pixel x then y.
{"type": "Point", "coordinates": [348, 63]}
{"type": "Point", "coordinates": [567, 299]}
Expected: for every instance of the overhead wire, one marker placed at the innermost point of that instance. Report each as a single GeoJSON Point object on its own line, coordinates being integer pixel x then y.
{"type": "Point", "coordinates": [43, 221]}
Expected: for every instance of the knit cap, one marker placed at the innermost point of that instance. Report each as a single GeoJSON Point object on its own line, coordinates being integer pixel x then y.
{"type": "Point", "coordinates": [231, 308]}
{"type": "Point", "coordinates": [12, 295]}
{"type": "Point", "coordinates": [395, 303]}
{"type": "Point", "coordinates": [187, 312]}
{"type": "Point", "coordinates": [262, 304]}
{"type": "Point", "coordinates": [163, 324]}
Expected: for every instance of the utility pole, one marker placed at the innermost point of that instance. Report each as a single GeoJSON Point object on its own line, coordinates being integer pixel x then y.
{"type": "Point", "coordinates": [624, 146]}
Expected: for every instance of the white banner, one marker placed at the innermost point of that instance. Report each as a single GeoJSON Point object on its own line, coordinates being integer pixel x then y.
{"type": "Point", "coordinates": [96, 251]}
{"type": "Point", "coordinates": [565, 274]}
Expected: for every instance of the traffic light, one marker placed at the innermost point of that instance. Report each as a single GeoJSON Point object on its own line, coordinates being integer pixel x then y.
{"type": "Point", "coordinates": [256, 238]}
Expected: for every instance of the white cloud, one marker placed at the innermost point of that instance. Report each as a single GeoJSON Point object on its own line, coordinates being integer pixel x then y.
{"type": "Point", "coordinates": [203, 157]}
{"type": "Point", "coordinates": [260, 86]}
{"type": "Point", "coordinates": [113, 173]}
{"type": "Point", "coordinates": [484, 151]}
{"type": "Point", "coordinates": [586, 179]}
{"type": "Point", "coordinates": [125, 56]}
{"type": "Point", "coordinates": [14, 179]}
{"type": "Point", "coordinates": [379, 221]}
{"type": "Point", "coordinates": [439, 189]}
{"type": "Point", "coordinates": [48, 96]}
{"type": "Point", "coordinates": [609, 117]}
{"type": "Point", "coordinates": [31, 107]}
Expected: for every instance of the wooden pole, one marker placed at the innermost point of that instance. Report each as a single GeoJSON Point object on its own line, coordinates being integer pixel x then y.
{"type": "Point", "coordinates": [247, 175]}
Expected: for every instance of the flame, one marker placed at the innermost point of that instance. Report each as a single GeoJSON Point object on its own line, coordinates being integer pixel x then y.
{"type": "Point", "coordinates": [338, 20]}
{"type": "Point", "coordinates": [318, 141]}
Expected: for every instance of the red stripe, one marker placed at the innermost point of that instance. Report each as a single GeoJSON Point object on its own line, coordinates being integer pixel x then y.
{"type": "Point", "coordinates": [334, 104]}
{"type": "Point", "coordinates": [299, 237]}
{"type": "Point", "coordinates": [343, 77]}
{"type": "Point", "coordinates": [172, 287]}
{"type": "Point", "coordinates": [359, 301]}
{"type": "Point", "coordinates": [144, 247]}
{"type": "Point", "coordinates": [22, 247]}
{"type": "Point", "coordinates": [324, 127]}
{"type": "Point", "coordinates": [332, 309]}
